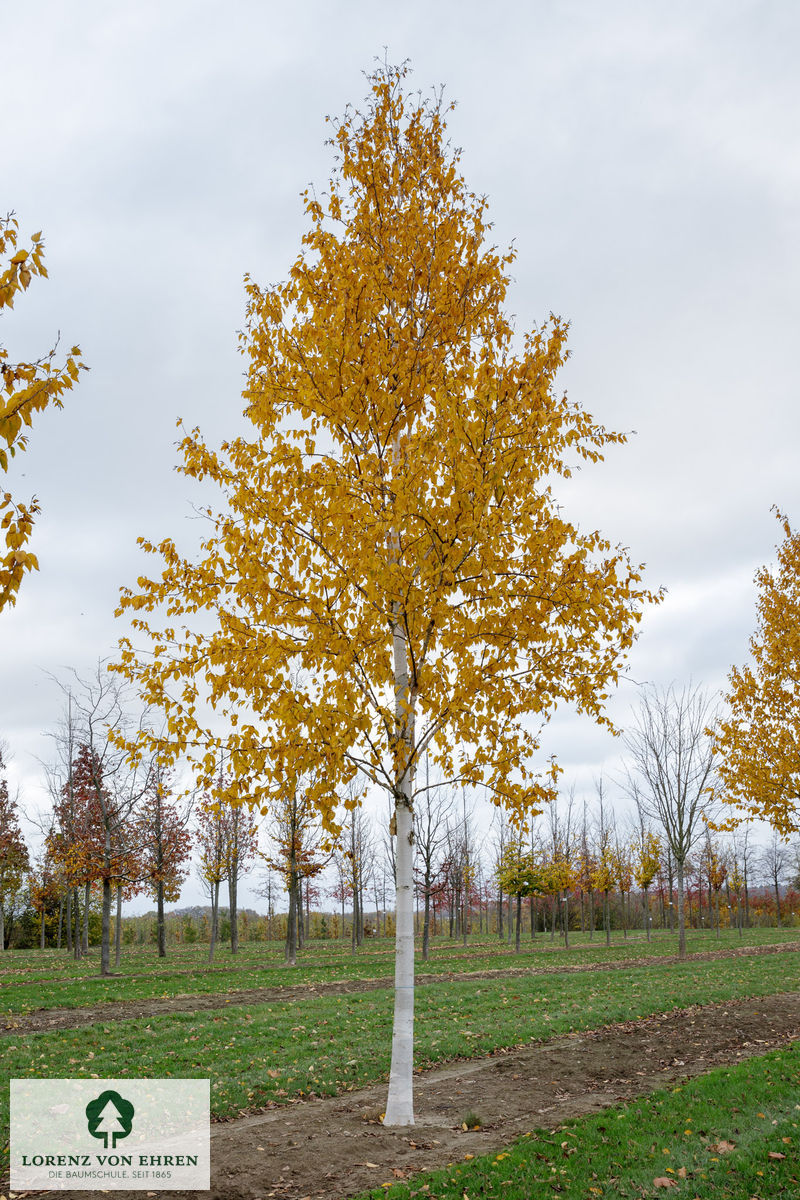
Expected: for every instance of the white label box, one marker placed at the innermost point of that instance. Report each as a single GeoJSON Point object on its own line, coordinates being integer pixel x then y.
{"type": "Point", "coordinates": [109, 1134]}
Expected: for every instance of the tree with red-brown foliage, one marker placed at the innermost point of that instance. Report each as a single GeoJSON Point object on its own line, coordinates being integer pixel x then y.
{"type": "Point", "coordinates": [97, 798]}
{"type": "Point", "coordinates": [165, 845]}
{"type": "Point", "coordinates": [44, 889]}
{"type": "Point", "coordinates": [104, 850]}
{"type": "Point", "coordinates": [13, 853]}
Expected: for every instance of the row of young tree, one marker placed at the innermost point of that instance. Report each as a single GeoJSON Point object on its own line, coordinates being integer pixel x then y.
{"type": "Point", "coordinates": [115, 826]}
{"type": "Point", "coordinates": [113, 830]}
{"type": "Point", "coordinates": [581, 870]}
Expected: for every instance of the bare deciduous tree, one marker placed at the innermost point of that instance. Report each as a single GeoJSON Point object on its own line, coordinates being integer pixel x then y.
{"type": "Point", "coordinates": [672, 770]}
{"type": "Point", "coordinates": [775, 862]}
{"type": "Point", "coordinates": [431, 817]}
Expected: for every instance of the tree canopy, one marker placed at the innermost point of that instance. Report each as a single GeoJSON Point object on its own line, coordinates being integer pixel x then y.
{"type": "Point", "coordinates": [758, 740]}
{"type": "Point", "coordinates": [398, 478]}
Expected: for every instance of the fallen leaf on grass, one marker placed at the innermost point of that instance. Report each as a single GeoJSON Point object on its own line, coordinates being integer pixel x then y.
{"type": "Point", "coordinates": [663, 1181]}
{"type": "Point", "coordinates": [723, 1147]}
{"type": "Point", "coordinates": [775, 1154]}
{"type": "Point", "coordinates": [682, 1172]}
{"type": "Point", "coordinates": [399, 1173]}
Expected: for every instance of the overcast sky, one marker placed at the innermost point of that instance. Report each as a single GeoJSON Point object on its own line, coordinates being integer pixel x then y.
{"type": "Point", "coordinates": [645, 159]}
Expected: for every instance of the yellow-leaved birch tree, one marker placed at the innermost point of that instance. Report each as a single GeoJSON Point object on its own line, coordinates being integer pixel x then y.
{"type": "Point", "coordinates": [758, 740]}
{"type": "Point", "coordinates": [390, 571]}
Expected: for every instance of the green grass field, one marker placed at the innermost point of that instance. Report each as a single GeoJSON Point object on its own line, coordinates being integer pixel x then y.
{"type": "Point", "coordinates": [37, 979]}
{"type": "Point", "coordinates": [262, 1054]}
{"type": "Point", "coordinates": [255, 1054]}
{"type": "Point", "coordinates": [732, 1134]}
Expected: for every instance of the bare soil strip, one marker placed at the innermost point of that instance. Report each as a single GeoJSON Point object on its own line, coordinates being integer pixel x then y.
{"type": "Point", "coordinates": [50, 1019]}
{"type": "Point", "coordinates": [334, 1148]}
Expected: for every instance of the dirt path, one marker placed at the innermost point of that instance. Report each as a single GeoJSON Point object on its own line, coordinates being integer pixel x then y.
{"type": "Point", "coordinates": [333, 1148]}
{"type": "Point", "coordinates": [50, 1019]}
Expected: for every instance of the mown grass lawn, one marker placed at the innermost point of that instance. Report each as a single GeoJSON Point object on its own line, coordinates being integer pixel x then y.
{"type": "Point", "coordinates": [732, 1134]}
{"type": "Point", "coordinates": [261, 1054]}
{"type": "Point", "coordinates": [49, 979]}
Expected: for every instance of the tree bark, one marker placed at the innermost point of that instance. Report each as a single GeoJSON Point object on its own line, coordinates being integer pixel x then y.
{"type": "Point", "coordinates": [298, 907]}
{"type": "Point", "coordinates": [105, 936]}
{"type": "Point", "coordinates": [354, 929]}
{"type": "Point", "coordinates": [646, 908]}
{"type": "Point", "coordinates": [77, 939]}
{"type": "Point", "coordinates": [426, 924]}
{"type": "Point", "coordinates": [161, 924]}
{"type": "Point", "coordinates": [290, 951]}
{"type": "Point", "coordinates": [118, 929]}
{"type": "Point", "coordinates": [86, 899]}
{"type": "Point", "coordinates": [214, 919]}
{"type": "Point", "coordinates": [232, 902]}
{"type": "Point", "coordinates": [746, 904]}
{"type": "Point", "coordinates": [681, 916]}
{"type": "Point", "coordinates": [69, 920]}
{"type": "Point", "coordinates": [400, 1101]}
{"type": "Point", "coordinates": [519, 923]}
{"type": "Point", "coordinates": [105, 926]}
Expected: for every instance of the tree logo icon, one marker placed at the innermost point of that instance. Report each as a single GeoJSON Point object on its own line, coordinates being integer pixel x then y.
{"type": "Point", "coordinates": [109, 1116]}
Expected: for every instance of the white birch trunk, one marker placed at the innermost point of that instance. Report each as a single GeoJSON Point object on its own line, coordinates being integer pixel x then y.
{"type": "Point", "coordinates": [400, 1101]}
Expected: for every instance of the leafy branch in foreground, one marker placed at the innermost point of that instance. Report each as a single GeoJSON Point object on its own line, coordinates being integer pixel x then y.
{"type": "Point", "coordinates": [26, 388]}
{"type": "Point", "coordinates": [758, 741]}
